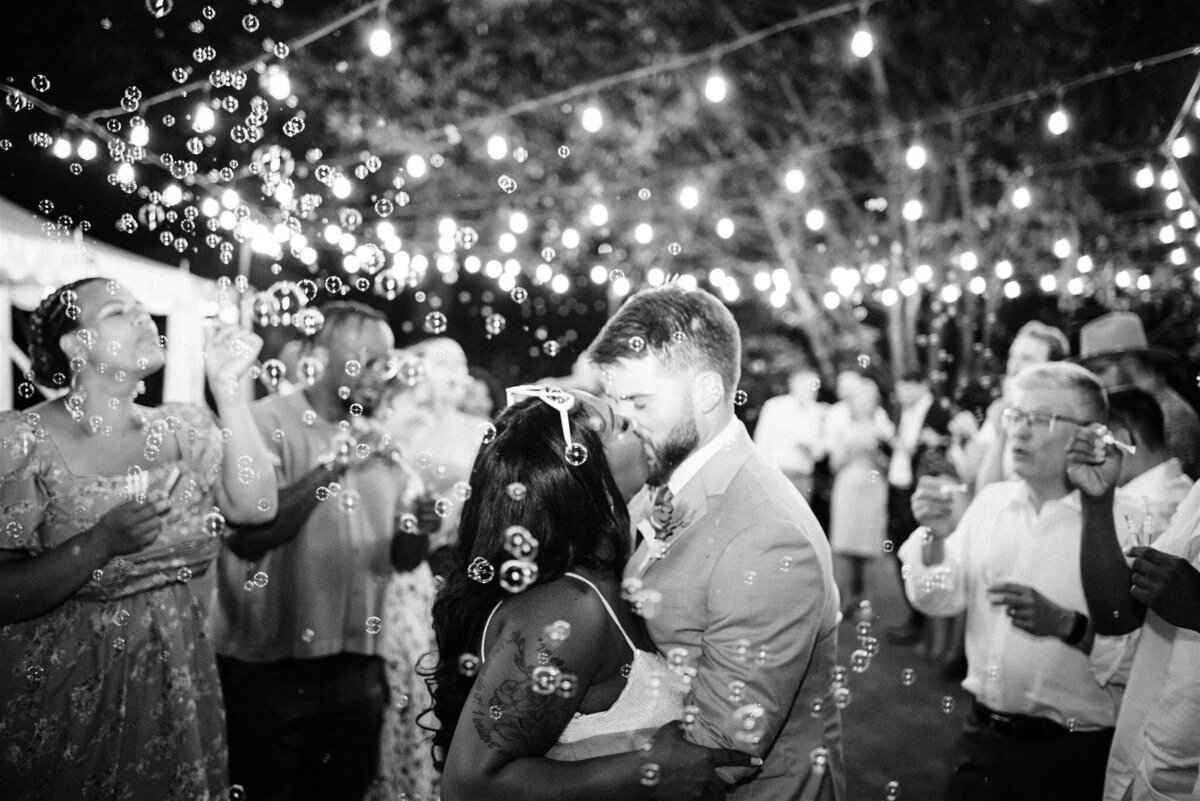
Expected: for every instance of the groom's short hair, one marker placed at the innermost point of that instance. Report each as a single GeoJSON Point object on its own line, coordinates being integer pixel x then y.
{"type": "Point", "coordinates": [684, 329]}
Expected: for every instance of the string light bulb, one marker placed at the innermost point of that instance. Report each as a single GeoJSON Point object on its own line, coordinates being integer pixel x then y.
{"type": "Point", "coordinates": [1022, 197]}
{"type": "Point", "coordinates": [497, 147]}
{"type": "Point", "coordinates": [278, 84]}
{"type": "Point", "coordinates": [715, 87]}
{"type": "Point", "coordinates": [913, 210]}
{"type": "Point", "coordinates": [1144, 177]}
{"type": "Point", "coordinates": [203, 119]}
{"type": "Point", "coordinates": [380, 40]}
{"type": "Point", "coordinates": [591, 119]}
{"type": "Point", "coordinates": [794, 181]}
{"type": "Point", "coordinates": [915, 157]}
{"type": "Point", "coordinates": [1181, 148]}
{"type": "Point", "coordinates": [862, 43]}
{"type": "Point", "coordinates": [416, 166]}
{"type": "Point", "coordinates": [1058, 122]}
{"type": "Point", "coordinates": [689, 197]}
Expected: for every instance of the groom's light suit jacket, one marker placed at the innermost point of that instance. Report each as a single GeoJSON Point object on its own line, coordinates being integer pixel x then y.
{"type": "Point", "coordinates": [747, 588]}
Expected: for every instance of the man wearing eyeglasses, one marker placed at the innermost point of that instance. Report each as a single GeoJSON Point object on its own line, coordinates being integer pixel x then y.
{"type": "Point", "coordinates": [300, 606]}
{"type": "Point", "coordinates": [1042, 722]}
{"type": "Point", "coordinates": [733, 572]}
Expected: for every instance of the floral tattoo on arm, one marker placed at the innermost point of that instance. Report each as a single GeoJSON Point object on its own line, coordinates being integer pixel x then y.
{"type": "Point", "coordinates": [526, 716]}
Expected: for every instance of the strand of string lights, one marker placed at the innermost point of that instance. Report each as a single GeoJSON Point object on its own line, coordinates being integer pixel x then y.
{"type": "Point", "coordinates": [203, 83]}
{"type": "Point", "coordinates": [991, 106]}
{"type": "Point", "coordinates": [1173, 136]}
{"type": "Point", "coordinates": [650, 70]}
{"type": "Point", "coordinates": [1056, 88]}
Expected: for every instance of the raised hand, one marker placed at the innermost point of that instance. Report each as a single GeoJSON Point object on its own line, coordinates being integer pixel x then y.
{"type": "Point", "coordinates": [132, 525]}
{"type": "Point", "coordinates": [686, 771]}
{"type": "Point", "coordinates": [1093, 466]}
{"type": "Point", "coordinates": [935, 504]}
{"type": "Point", "coordinates": [1167, 584]}
{"type": "Point", "coordinates": [229, 352]}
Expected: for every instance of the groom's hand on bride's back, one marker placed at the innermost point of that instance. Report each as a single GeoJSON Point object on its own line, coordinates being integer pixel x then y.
{"type": "Point", "coordinates": [686, 771]}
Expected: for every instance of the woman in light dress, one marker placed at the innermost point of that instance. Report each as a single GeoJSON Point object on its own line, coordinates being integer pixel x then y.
{"type": "Point", "coordinates": [113, 514]}
{"type": "Point", "coordinates": [857, 428]}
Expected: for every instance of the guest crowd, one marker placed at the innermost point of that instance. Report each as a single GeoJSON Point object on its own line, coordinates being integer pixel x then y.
{"type": "Point", "coordinates": [384, 579]}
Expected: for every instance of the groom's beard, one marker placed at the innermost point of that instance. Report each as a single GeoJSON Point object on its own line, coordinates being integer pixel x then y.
{"type": "Point", "coordinates": [665, 457]}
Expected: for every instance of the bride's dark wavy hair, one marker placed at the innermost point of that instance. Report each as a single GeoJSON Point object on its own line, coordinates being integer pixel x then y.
{"type": "Point", "coordinates": [575, 512]}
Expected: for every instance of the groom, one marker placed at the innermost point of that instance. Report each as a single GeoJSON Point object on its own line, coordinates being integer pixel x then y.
{"type": "Point", "coordinates": [732, 566]}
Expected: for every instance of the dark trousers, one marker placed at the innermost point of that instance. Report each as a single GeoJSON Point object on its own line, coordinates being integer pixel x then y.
{"type": "Point", "coordinates": [900, 525]}
{"type": "Point", "coordinates": [304, 728]}
{"type": "Point", "coordinates": [1050, 765]}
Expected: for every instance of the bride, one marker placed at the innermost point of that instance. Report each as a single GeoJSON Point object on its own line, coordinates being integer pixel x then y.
{"type": "Point", "coordinates": [546, 687]}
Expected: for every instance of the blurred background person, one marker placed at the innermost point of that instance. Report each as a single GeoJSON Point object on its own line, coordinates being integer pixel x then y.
{"type": "Point", "coordinates": [301, 600]}
{"type": "Point", "coordinates": [433, 434]}
{"type": "Point", "coordinates": [1114, 347]}
{"type": "Point", "coordinates": [858, 429]}
{"type": "Point", "coordinates": [113, 513]}
{"type": "Point", "coordinates": [1151, 480]}
{"type": "Point", "coordinates": [1035, 343]}
{"type": "Point", "coordinates": [482, 397]}
{"type": "Point", "coordinates": [922, 426]}
{"type": "Point", "coordinates": [791, 429]}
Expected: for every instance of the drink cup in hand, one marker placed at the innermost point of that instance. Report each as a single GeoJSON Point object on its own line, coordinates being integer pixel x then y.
{"type": "Point", "coordinates": [938, 502]}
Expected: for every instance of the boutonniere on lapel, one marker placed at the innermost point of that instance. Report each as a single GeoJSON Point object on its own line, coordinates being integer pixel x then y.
{"type": "Point", "coordinates": [666, 518]}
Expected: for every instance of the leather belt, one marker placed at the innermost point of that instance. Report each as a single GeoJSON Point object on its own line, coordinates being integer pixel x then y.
{"type": "Point", "coordinates": [1025, 727]}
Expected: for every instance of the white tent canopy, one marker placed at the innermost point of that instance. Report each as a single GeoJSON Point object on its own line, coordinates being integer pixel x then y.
{"type": "Point", "coordinates": [33, 262]}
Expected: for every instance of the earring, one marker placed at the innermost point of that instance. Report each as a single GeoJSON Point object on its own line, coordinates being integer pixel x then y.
{"type": "Point", "coordinates": [75, 398]}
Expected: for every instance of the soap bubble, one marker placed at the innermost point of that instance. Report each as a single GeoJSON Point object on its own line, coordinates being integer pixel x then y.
{"type": "Point", "coordinates": [374, 625]}
{"type": "Point", "coordinates": [468, 664]}
{"type": "Point", "coordinates": [519, 542]}
{"type": "Point", "coordinates": [481, 570]}
{"type": "Point", "coordinates": [495, 324]}
{"type": "Point", "coordinates": [516, 575]}
{"type": "Point", "coordinates": [435, 323]}
{"type": "Point", "coordinates": [576, 454]}
{"type": "Point", "coordinates": [159, 8]}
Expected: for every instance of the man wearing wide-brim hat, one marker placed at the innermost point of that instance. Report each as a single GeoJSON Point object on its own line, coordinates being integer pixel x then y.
{"type": "Point", "coordinates": [1115, 348]}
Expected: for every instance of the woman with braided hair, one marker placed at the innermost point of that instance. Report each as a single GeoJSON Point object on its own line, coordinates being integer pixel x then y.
{"type": "Point", "coordinates": [112, 511]}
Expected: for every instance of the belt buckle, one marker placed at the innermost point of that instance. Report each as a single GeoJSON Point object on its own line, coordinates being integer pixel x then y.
{"type": "Point", "coordinates": [1002, 723]}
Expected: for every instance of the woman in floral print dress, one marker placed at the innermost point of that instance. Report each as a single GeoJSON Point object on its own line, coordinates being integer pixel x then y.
{"type": "Point", "coordinates": [108, 679]}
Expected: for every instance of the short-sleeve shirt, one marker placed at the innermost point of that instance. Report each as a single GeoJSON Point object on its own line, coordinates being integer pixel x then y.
{"type": "Point", "coordinates": [321, 593]}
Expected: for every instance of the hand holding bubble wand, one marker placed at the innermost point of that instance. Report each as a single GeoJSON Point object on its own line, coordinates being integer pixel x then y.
{"type": "Point", "coordinates": [1142, 534]}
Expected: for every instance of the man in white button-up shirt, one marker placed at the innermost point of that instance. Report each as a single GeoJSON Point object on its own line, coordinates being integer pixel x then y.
{"type": "Point", "coordinates": [1042, 723]}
